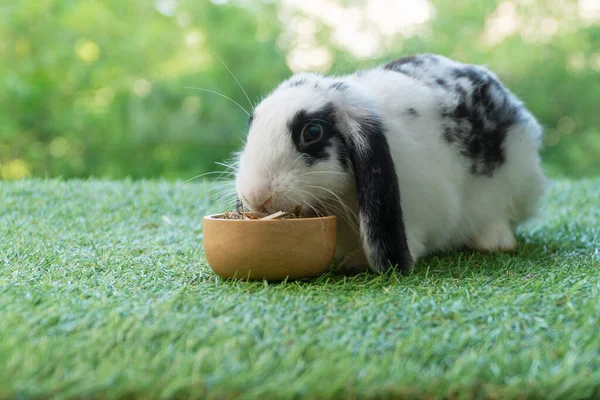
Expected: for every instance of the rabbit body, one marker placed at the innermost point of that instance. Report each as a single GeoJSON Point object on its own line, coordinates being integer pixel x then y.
{"type": "Point", "coordinates": [445, 140]}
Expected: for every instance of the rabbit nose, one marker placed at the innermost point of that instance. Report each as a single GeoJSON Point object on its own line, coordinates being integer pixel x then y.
{"type": "Point", "coordinates": [259, 200]}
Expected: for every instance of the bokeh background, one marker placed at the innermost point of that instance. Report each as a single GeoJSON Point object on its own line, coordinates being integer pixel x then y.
{"type": "Point", "coordinates": [102, 88]}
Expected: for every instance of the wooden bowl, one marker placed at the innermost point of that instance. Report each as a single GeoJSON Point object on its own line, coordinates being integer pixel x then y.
{"type": "Point", "coordinates": [273, 249]}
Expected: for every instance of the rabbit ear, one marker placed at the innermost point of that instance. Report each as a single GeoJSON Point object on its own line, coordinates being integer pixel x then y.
{"type": "Point", "coordinates": [377, 190]}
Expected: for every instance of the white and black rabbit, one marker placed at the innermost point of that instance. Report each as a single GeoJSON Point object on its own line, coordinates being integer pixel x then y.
{"type": "Point", "coordinates": [429, 153]}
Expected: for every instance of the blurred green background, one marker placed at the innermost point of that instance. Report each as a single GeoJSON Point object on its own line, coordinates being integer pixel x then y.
{"type": "Point", "coordinates": [100, 88]}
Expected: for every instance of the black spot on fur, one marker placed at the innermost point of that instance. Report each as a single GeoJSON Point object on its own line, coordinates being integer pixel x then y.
{"type": "Point", "coordinates": [398, 63]}
{"type": "Point", "coordinates": [378, 196]}
{"type": "Point", "coordinates": [479, 122]}
{"type": "Point", "coordinates": [405, 64]}
{"type": "Point", "coordinates": [470, 73]}
{"type": "Point", "coordinates": [412, 112]}
{"type": "Point", "coordinates": [341, 86]}
{"type": "Point", "coordinates": [326, 119]}
{"type": "Point", "coordinates": [250, 119]}
{"type": "Point", "coordinates": [431, 57]}
{"type": "Point", "coordinates": [462, 92]}
{"type": "Point", "coordinates": [299, 82]}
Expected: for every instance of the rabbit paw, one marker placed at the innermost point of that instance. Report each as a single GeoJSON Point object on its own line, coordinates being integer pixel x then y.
{"type": "Point", "coordinates": [495, 237]}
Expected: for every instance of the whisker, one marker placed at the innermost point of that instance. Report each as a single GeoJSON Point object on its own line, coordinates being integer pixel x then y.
{"type": "Point", "coordinates": [297, 158]}
{"type": "Point", "coordinates": [218, 200]}
{"type": "Point", "coordinates": [349, 216]}
{"type": "Point", "coordinates": [238, 82]}
{"type": "Point", "coordinates": [202, 175]}
{"type": "Point", "coordinates": [333, 194]}
{"type": "Point", "coordinates": [227, 182]}
{"type": "Point", "coordinates": [218, 172]}
{"type": "Point", "coordinates": [318, 213]}
{"type": "Point", "coordinates": [213, 180]}
{"type": "Point", "coordinates": [345, 217]}
{"type": "Point", "coordinates": [222, 95]}
{"type": "Point", "coordinates": [324, 172]}
{"type": "Point", "coordinates": [342, 214]}
{"type": "Point", "coordinates": [224, 190]}
{"type": "Point", "coordinates": [223, 203]}
{"type": "Point", "coordinates": [228, 166]}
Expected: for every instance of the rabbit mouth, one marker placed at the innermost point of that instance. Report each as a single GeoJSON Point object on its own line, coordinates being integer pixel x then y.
{"type": "Point", "coordinates": [285, 203]}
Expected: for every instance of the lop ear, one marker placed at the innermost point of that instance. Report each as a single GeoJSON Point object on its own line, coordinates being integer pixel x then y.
{"type": "Point", "coordinates": [378, 194]}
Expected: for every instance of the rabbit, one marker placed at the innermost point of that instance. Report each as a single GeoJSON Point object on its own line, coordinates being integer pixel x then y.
{"type": "Point", "coordinates": [419, 155]}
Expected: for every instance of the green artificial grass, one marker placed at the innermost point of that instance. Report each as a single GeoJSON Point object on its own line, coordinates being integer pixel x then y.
{"type": "Point", "coordinates": [104, 293]}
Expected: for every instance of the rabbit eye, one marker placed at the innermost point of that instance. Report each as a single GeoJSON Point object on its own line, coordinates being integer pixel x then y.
{"type": "Point", "coordinates": [311, 133]}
